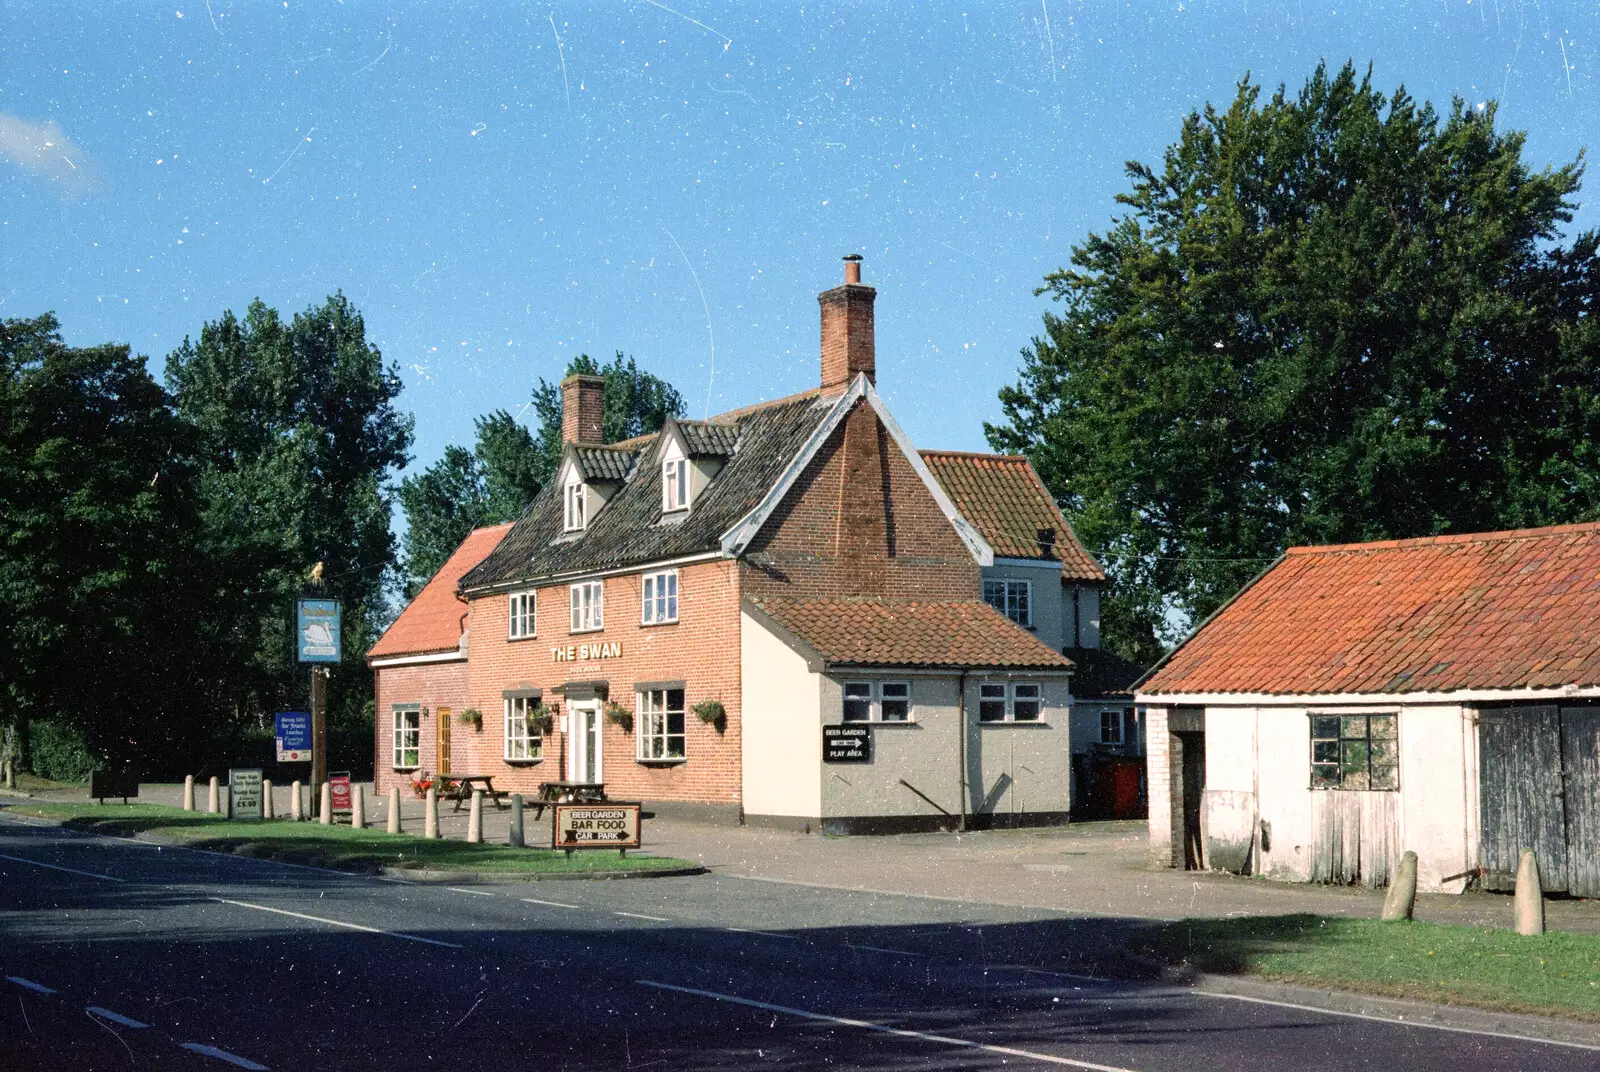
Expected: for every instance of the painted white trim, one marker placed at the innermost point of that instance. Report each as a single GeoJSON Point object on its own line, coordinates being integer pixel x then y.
{"type": "Point", "coordinates": [1364, 699]}
{"type": "Point", "coordinates": [454, 655]}
{"type": "Point", "coordinates": [737, 538]}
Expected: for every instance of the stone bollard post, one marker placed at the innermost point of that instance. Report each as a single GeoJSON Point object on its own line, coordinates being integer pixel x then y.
{"type": "Point", "coordinates": [1402, 895]}
{"type": "Point", "coordinates": [515, 839]}
{"type": "Point", "coordinates": [430, 815]}
{"type": "Point", "coordinates": [475, 819]}
{"type": "Point", "coordinates": [295, 811]}
{"type": "Point", "coordinates": [188, 792]}
{"type": "Point", "coordinates": [1529, 900]}
{"type": "Point", "coordinates": [394, 809]}
{"type": "Point", "coordinates": [211, 797]}
{"type": "Point", "coordinates": [266, 799]}
{"type": "Point", "coordinates": [325, 805]}
{"type": "Point", "coordinates": [358, 807]}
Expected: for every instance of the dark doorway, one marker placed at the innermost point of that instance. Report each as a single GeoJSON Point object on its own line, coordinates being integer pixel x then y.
{"type": "Point", "coordinates": [1194, 792]}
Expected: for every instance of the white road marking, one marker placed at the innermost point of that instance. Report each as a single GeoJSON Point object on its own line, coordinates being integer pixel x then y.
{"type": "Point", "coordinates": [58, 867]}
{"type": "Point", "coordinates": [338, 923]}
{"type": "Point", "coordinates": [868, 1025]}
{"type": "Point", "coordinates": [223, 1055]}
{"type": "Point", "coordinates": [114, 1017]}
{"type": "Point", "coordinates": [640, 915]}
{"type": "Point", "coordinates": [552, 904]}
{"type": "Point", "coordinates": [29, 984]}
{"type": "Point", "coordinates": [1396, 1021]}
{"type": "Point", "coordinates": [881, 949]}
{"type": "Point", "coordinates": [764, 934]}
{"type": "Point", "coordinates": [936, 897]}
{"type": "Point", "coordinates": [475, 893]}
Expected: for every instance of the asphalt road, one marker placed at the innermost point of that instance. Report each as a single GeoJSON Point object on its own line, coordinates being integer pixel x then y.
{"type": "Point", "coordinates": [119, 954]}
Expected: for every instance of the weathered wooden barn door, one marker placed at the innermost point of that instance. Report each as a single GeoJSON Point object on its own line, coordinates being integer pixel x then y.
{"type": "Point", "coordinates": [1355, 836]}
{"type": "Point", "coordinates": [1521, 802]}
{"type": "Point", "coordinates": [1580, 764]}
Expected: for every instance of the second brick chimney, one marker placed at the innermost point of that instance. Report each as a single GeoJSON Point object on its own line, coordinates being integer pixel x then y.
{"type": "Point", "coordinates": [847, 334]}
{"type": "Point", "coordinates": [583, 403]}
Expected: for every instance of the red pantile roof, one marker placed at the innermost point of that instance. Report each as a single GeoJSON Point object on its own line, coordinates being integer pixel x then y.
{"type": "Point", "coordinates": [1003, 496]}
{"type": "Point", "coordinates": [1497, 610]}
{"type": "Point", "coordinates": [432, 621]}
{"type": "Point", "coordinates": [876, 632]}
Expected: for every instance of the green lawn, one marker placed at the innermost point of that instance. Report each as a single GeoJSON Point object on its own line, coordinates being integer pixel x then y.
{"type": "Point", "coordinates": [337, 845]}
{"type": "Point", "coordinates": [1553, 974]}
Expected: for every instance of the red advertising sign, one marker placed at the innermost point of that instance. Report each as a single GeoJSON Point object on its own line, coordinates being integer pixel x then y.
{"type": "Point", "coordinates": [339, 788]}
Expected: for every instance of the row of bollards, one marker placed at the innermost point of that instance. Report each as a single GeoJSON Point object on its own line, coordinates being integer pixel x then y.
{"type": "Point", "coordinates": [1527, 904]}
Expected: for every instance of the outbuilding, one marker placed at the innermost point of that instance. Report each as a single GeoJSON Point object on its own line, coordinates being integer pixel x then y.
{"type": "Point", "coordinates": [1440, 695]}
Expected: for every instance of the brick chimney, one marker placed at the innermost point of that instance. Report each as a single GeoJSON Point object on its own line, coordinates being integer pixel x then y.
{"type": "Point", "coordinates": [582, 406]}
{"type": "Point", "coordinates": [847, 336]}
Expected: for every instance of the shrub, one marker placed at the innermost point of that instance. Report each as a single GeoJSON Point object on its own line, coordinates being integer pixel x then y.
{"type": "Point", "coordinates": [58, 753]}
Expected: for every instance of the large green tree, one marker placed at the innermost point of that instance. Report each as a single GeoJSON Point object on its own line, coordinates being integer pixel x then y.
{"type": "Point", "coordinates": [497, 479]}
{"type": "Point", "coordinates": [1328, 315]}
{"type": "Point", "coordinates": [300, 441]}
{"type": "Point", "coordinates": [98, 579]}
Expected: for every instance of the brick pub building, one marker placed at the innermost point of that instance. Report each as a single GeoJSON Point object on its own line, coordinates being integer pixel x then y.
{"type": "Point", "coordinates": [681, 615]}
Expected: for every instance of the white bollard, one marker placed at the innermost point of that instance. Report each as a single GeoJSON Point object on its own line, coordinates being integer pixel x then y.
{"type": "Point", "coordinates": [1528, 901]}
{"type": "Point", "coordinates": [1399, 902]}
{"type": "Point", "coordinates": [475, 819]}
{"type": "Point", "coordinates": [266, 798]}
{"type": "Point", "coordinates": [430, 815]}
{"type": "Point", "coordinates": [211, 797]}
{"type": "Point", "coordinates": [325, 812]}
{"type": "Point", "coordinates": [394, 809]}
{"type": "Point", "coordinates": [358, 807]}
{"type": "Point", "coordinates": [295, 811]}
{"type": "Point", "coordinates": [188, 792]}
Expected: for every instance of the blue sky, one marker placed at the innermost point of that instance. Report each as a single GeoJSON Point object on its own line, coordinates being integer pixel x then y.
{"type": "Point", "coordinates": [502, 186]}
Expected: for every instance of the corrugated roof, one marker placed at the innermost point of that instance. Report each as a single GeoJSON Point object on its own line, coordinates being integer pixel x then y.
{"type": "Point", "coordinates": [1498, 610]}
{"type": "Point", "coordinates": [1003, 496]}
{"type": "Point", "coordinates": [952, 634]}
{"type": "Point", "coordinates": [432, 621]}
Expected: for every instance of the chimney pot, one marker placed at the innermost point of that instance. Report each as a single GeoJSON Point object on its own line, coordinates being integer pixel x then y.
{"type": "Point", "coordinates": [848, 344]}
{"type": "Point", "coordinates": [583, 400]}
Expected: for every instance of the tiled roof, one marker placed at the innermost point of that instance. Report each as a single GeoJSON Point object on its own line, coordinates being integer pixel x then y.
{"type": "Point", "coordinates": [629, 529]}
{"type": "Point", "coordinates": [946, 634]}
{"type": "Point", "coordinates": [1003, 496]}
{"type": "Point", "coordinates": [432, 621]}
{"type": "Point", "coordinates": [1101, 674]}
{"type": "Point", "coordinates": [603, 463]}
{"type": "Point", "coordinates": [1499, 610]}
{"type": "Point", "coordinates": [709, 438]}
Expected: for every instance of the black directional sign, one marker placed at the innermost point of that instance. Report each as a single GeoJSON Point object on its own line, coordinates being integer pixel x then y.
{"type": "Point", "coordinates": [847, 744]}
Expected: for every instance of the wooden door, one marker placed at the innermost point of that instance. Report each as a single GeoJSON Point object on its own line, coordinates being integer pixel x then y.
{"type": "Point", "coordinates": [1521, 802]}
{"type": "Point", "coordinates": [443, 714]}
{"type": "Point", "coordinates": [1580, 768]}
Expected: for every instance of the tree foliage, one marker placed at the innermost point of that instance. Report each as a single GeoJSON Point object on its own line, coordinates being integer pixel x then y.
{"type": "Point", "coordinates": [1328, 316]}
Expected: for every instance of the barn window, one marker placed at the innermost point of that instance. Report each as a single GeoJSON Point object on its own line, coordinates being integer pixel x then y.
{"type": "Point", "coordinates": [1355, 752]}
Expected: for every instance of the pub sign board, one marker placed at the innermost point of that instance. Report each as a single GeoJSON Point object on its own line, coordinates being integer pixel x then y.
{"type": "Point", "coordinates": [293, 732]}
{"type": "Point", "coordinates": [612, 825]}
{"type": "Point", "coordinates": [847, 744]}
{"type": "Point", "coordinates": [316, 630]}
{"type": "Point", "coordinates": [244, 793]}
{"type": "Point", "coordinates": [339, 790]}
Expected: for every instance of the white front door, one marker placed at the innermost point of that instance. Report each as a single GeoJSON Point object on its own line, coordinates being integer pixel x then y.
{"type": "Point", "coordinates": [585, 738]}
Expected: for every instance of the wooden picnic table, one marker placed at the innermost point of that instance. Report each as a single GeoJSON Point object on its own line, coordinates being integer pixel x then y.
{"type": "Point", "coordinates": [566, 793]}
{"type": "Point", "coordinates": [466, 783]}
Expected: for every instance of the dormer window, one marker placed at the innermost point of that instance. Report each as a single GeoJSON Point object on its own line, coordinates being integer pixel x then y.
{"type": "Point", "coordinates": [675, 484]}
{"type": "Point", "coordinates": [576, 502]}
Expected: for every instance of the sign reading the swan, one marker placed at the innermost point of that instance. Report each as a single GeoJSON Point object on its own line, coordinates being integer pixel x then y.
{"type": "Point", "coordinates": [847, 744]}
{"type": "Point", "coordinates": [595, 826]}
{"type": "Point", "coordinates": [316, 630]}
{"type": "Point", "coordinates": [574, 653]}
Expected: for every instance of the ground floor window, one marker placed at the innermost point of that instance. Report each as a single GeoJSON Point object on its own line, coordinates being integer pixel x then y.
{"type": "Point", "coordinates": [1010, 701]}
{"type": "Point", "coordinates": [1355, 752]}
{"type": "Point", "coordinates": [880, 701]}
{"type": "Point", "coordinates": [661, 733]}
{"type": "Point", "coordinates": [407, 737]}
{"type": "Point", "coordinates": [523, 739]}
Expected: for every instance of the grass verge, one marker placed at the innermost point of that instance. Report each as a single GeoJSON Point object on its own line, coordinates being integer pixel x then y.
{"type": "Point", "coordinates": [1549, 974]}
{"type": "Point", "coordinates": [338, 846]}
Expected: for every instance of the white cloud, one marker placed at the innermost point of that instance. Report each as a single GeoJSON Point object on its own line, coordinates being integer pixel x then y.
{"type": "Point", "coordinates": [44, 149]}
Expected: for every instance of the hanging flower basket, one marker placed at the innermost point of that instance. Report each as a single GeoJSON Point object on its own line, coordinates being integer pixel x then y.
{"type": "Point", "coordinates": [712, 713]}
{"type": "Point", "coordinates": [620, 716]}
{"type": "Point", "coordinates": [544, 719]}
{"type": "Point", "coordinates": [472, 717]}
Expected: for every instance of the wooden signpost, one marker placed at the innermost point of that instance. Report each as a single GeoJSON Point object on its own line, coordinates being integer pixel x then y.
{"type": "Point", "coordinates": [612, 825]}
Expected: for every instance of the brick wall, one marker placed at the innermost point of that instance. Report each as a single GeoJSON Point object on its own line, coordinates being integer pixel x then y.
{"type": "Point", "coordinates": [433, 685]}
{"type": "Point", "coordinates": [702, 650]}
{"type": "Point", "coordinates": [859, 521]}
{"type": "Point", "coordinates": [1162, 751]}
